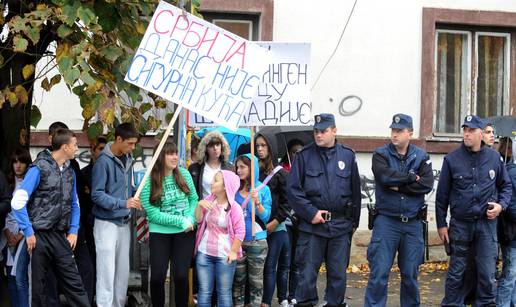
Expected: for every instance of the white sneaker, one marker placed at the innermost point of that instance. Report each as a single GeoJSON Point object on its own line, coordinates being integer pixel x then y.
{"type": "Point", "coordinates": [293, 302]}
{"type": "Point", "coordinates": [284, 303]}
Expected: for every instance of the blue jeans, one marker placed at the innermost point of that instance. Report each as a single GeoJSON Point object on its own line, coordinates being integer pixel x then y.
{"type": "Point", "coordinates": [210, 269]}
{"type": "Point", "coordinates": [22, 275]}
{"type": "Point", "coordinates": [277, 257]}
{"type": "Point", "coordinates": [507, 282]}
{"type": "Point", "coordinates": [11, 286]}
{"type": "Point", "coordinates": [19, 284]}
{"type": "Point", "coordinates": [391, 236]}
{"type": "Point", "coordinates": [293, 234]}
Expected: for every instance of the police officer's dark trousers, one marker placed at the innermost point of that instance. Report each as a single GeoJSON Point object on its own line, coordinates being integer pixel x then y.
{"type": "Point", "coordinates": [391, 235]}
{"type": "Point", "coordinates": [311, 249]}
{"type": "Point", "coordinates": [53, 252]}
{"type": "Point", "coordinates": [462, 234]}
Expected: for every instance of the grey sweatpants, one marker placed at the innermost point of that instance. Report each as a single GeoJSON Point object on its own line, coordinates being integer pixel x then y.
{"type": "Point", "coordinates": [112, 243]}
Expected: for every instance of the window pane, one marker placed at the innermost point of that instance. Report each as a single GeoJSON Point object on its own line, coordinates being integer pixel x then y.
{"type": "Point", "coordinates": [452, 81]}
{"type": "Point", "coordinates": [492, 76]}
{"type": "Point", "coordinates": [242, 28]}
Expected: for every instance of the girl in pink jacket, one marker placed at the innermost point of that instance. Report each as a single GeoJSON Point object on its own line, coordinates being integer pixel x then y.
{"type": "Point", "coordinates": [219, 238]}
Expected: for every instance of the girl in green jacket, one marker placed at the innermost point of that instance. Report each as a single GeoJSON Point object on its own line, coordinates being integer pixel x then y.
{"type": "Point", "coordinates": [169, 198]}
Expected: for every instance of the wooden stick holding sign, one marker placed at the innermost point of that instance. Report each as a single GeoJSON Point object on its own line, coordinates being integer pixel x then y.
{"type": "Point", "coordinates": [158, 150]}
{"type": "Point", "coordinates": [253, 210]}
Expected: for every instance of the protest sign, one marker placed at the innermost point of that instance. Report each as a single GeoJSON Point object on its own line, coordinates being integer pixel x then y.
{"type": "Point", "coordinates": [197, 65]}
{"type": "Point", "coordinates": [283, 97]}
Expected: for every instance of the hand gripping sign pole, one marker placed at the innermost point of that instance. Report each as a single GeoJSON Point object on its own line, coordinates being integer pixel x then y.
{"type": "Point", "coordinates": [158, 150]}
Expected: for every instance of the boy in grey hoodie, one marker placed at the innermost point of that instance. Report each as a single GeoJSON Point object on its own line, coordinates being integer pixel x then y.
{"type": "Point", "coordinates": [112, 192]}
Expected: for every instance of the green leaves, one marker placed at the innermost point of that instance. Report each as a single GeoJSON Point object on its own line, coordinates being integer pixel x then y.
{"type": "Point", "coordinates": [20, 44]}
{"type": "Point", "coordinates": [95, 41]}
{"type": "Point", "coordinates": [144, 107]}
{"type": "Point", "coordinates": [35, 116]}
{"type": "Point", "coordinates": [108, 15]}
{"type": "Point", "coordinates": [86, 15]}
{"type": "Point", "coordinates": [95, 129]}
{"type": "Point", "coordinates": [33, 34]}
{"type": "Point", "coordinates": [111, 52]}
{"type": "Point", "coordinates": [71, 75]}
{"type": "Point", "coordinates": [64, 30]}
{"type": "Point", "coordinates": [70, 12]}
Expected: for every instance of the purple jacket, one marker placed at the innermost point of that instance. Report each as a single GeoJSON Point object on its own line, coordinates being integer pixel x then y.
{"type": "Point", "coordinates": [235, 216]}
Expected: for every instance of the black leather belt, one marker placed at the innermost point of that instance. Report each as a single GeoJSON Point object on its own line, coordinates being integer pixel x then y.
{"type": "Point", "coordinates": [402, 218]}
{"type": "Point", "coordinates": [328, 216]}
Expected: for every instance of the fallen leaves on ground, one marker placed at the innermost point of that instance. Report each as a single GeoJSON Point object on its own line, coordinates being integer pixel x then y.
{"type": "Point", "coordinates": [424, 269]}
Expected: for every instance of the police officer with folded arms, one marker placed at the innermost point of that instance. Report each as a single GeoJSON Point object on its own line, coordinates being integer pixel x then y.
{"type": "Point", "coordinates": [475, 186]}
{"type": "Point", "coordinates": [403, 175]}
{"type": "Point", "coordinates": [324, 191]}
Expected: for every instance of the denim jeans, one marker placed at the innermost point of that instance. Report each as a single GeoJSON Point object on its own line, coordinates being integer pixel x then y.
{"type": "Point", "coordinates": [507, 282]}
{"type": "Point", "coordinates": [11, 286]}
{"type": "Point", "coordinates": [277, 261]}
{"type": "Point", "coordinates": [214, 269]}
{"type": "Point", "coordinates": [293, 234]}
{"type": "Point", "coordinates": [22, 275]}
{"type": "Point", "coordinates": [18, 285]}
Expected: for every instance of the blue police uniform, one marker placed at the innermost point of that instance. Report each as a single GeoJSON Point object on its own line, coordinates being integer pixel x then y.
{"type": "Point", "coordinates": [398, 226]}
{"type": "Point", "coordinates": [468, 181]}
{"type": "Point", "coordinates": [324, 179]}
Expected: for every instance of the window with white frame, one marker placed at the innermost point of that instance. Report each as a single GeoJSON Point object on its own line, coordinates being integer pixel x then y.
{"type": "Point", "coordinates": [472, 76]}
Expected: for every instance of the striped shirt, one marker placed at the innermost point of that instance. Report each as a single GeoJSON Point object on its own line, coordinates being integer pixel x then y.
{"type": "Point", "coordinates": [215, 240]}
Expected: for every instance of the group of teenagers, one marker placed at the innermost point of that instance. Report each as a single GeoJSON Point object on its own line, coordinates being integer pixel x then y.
{"type": "Point", "coordinates": [68, 230]}
{"type": "Point", "coordinates": [244, 235]}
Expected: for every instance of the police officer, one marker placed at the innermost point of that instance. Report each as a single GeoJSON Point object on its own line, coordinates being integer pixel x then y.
{"type": "Point", "coordinates": [476, 187]}
{"type": "Point", "coordinates": [324, 190]}
{"type": "Point", "coordinates": [470, 279]}
{"type": "Point", "coordinates": [403, 175]}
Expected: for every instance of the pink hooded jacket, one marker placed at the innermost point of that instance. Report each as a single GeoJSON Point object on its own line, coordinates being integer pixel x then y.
{"type": "Point", "coordinates": [235, 216]}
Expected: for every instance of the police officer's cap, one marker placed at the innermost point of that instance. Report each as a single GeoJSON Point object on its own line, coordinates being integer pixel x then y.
{"type": "Point", "coordinates": [474, 122]}
{"type": "Point", "coordinates": [323, 121]}
{"type": "Point", "coordinates": [401, 121]}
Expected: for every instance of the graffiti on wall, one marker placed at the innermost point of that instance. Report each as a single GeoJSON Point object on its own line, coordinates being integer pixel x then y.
{"type": "Point", "coordinates": [349, 105]}
{"type": "Point", "coordinates": [368, 185]}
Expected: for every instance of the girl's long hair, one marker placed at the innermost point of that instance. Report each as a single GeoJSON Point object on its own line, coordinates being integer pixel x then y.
{"type": "Point", "coordinates": [245, 184]}
{"type": "Point", "coordinates": [266, 163]}
{"type": "Point", "coordinates": [19, 155]}
{"type": "Point", "coordinates": [158, 174]}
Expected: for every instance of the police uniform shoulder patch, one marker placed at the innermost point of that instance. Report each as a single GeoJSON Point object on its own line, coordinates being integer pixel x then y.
{"type": "Point", "coordinates": [492, 174]}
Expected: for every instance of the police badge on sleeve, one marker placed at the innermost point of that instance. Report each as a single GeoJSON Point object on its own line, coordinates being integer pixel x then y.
{"type": "Point", "coordinates": [492, 174]}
